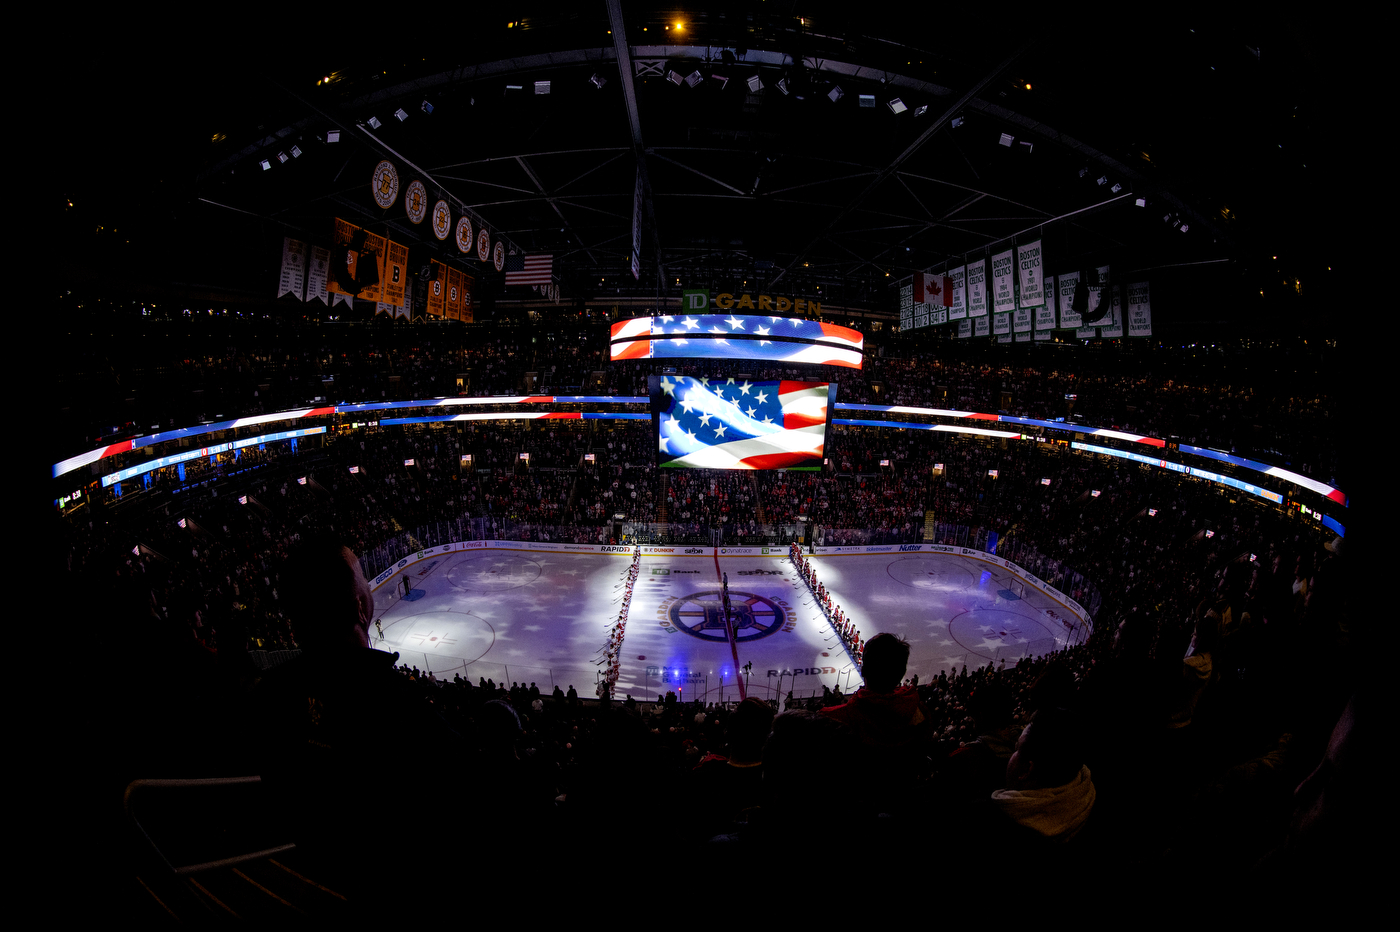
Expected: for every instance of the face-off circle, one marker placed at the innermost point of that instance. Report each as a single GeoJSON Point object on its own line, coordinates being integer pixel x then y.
{"type": "Point", "coordinates": [701, 615]}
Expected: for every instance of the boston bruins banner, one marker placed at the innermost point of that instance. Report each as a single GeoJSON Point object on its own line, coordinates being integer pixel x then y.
{"type": "Point", "coordinates": [1139, 311]}
{"type": "Point", "coordinates": [357, 262]}
{"type": "Point", "coordinates": [385, 184]}
{"type": "Point", "coordinates": [977, 288]}
{"type": "Point", "coordinates": [395, 274]}
{"type": "Point", "coordinates": [464, 235]}
{"type": "Point", "coordinates": [293, 278]}
{"type": "Point", "coordinates": [437, 289]}
{"type": "Point", "coordinates": [442, 220]}
{"type": "Point", "coordinates": [483, 245]}
{"type": "Point", "coordinates": [467, 311]}
{"type": "Point", "coordinates": [454, 294]}
{"type": "Point", "coordinates": [1032, 281]}
{"type": "Point", "coordinates": [1004, 281]}
{"type": "Point", "coordinates": [415, 201]}
{"type": "Point", "coordinates": [316, 274]}
{"type": "Point", "coordinates": [407, 309]}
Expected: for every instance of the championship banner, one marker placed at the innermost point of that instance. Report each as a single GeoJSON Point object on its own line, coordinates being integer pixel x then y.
{"type": "Point", "coordinates": [407, 309]}
{"type": "Point", "coordinates": [1004, 338]}
{"type": "Point", "coordinates": [1001, 323]}
{"type": "Point", "coordinates": [454, 294]}
{"type": "Point", "coordinates": [1023, 337]}
{"type": "Point", "coordinates": [977, 288]}
{"type": "Point", "coordinates": [958, 277]}
{"type": "Point", "coordinates": [464, 235]}
{"type": "Point", "coordinates": [1045, 314]}
{"type": "Point", "coordinates": [1064, 287]}
{"type": "Point", "coordinates": [1086, 333]}
{"type": "Point", "coordinates": [381, 307]}
{"type": "Point", "coordinates": [1004, 281]}
{"type": "Point", "coordinates": [357, 262]}
{"type": "Point", "coordinates": [1114, 330]}
{"type": "Point", "coordinates": [982, 326]}
{"type": "Point", "coordinates": [1024, 320]}
{"type": "Point", "coordinates": [437, 289]}
{"type": "Point", "coordinates": [442, 220]}
{"type": "Point", "coordinates": [395, 273]}
{"type": "Point", "coordinates": [1097, 297]}
{"type": "Point", "coordinates": [293, 278]}
{"type": "Point", "coordinates": [1139, 311]}
{"type": "Point", "coordinates": [965, 328]}
{"type": "Point", "coordinates": [1032, 280]}
{"type": "Point", "coordinates": [415, 201]}
{"type": "Point", "coordinates": [316, 274]}
{"type": "Point", "coordinates": [1042, 335]}
{"type": "Point", "coordinates": [468, 313]}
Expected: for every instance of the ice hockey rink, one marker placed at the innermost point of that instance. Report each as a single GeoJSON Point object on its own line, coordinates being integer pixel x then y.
{"type": "Point", "coordinates": [512, 613]}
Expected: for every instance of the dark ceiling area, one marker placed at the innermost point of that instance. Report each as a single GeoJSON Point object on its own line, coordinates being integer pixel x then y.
{"type": "Point", "coordinates": [801, 148]}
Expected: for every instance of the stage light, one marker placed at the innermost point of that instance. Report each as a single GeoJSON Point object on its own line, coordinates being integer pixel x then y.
{"type": "Point", "coordinates": [1007, 139]}
{"type": "Point", "coordinates": [836, 93]}
{"type": "Point", "coordinates": [694, 78]}
{"type": "Point", "coordinates": [1030, 146]}
{"type": "Point", "coordinates": [1103, 179]}
{"type": "Point", "coordinates": [755, 85]}
{"type": "Point", "coordinates": [1116, 188]}
{"type": "Point", "coordinates": [296, 152]}
{"type": "Point", "coordinates": [426, 107]}
{"type": "Point", "coordinates": [598, 81]}
{"type": "Point", "coordinates": [283, 157]}
{"type": "Point", "coordinates": [1083, 172]}
{"type": "Point", "coordinates": [923, 108]}
{"type": "Point", "coordinates": [867, 100]}
{"type": "Point", "coordinates": [265, 164]}
{"type": "Point", "coordinates": [722, 79]}
{"type": "Point", "coordinates": [1141, 202]}
{"type": "Point", "coordinates": [333, 135]}
{"type": "Point", "coordinates": [783, 86]}
{"type": "Point", "coordinates": [1185, 227]}
{"type": "Point", "coordinates": [541, 87]}
{"type": "Point", "coordinates": [374, 123]}
{"type": "Point", "coordinates": [674, 78]}
{"type": "Point", "coordinates": [957, 121]}
{"type": "Point", "coordinates": [401, 114]}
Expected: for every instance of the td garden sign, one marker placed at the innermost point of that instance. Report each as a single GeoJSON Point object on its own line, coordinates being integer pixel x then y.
{"type": "Point", "coordinates": [700, 302]}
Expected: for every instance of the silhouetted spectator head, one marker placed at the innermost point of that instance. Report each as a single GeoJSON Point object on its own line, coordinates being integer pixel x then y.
{"type": "Point", "coordinates": [992, 706]}
{"type": "Point", "coordinates": [499, 724]}
{"type": "Point", "coordinates": [747, 729]}
{"type": "Point", "coordinates": [886, 657]}
{"type": "Point", "coordinates": [329, 601]}
{"type": "Point", "coordinates": [1048, 753]}
{"type": "Point", "coordinates": [1053, 689]}
{"type": "Point", "coordinates": [801, 744]}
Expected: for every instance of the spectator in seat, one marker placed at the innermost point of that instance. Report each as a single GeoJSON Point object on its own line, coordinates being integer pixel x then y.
{"type": "Point", "coordinates": [1049, 793]}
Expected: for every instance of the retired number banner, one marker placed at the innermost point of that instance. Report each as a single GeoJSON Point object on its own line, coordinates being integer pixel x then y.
{"type": "Point", "coordinates": [977, 288]}
{"type": "Point", "coordinates": [1004, 281]}
{"type": "Point", "coordinates": [395, 272]}
{"type": "Point", "coordinates": [293, 278]}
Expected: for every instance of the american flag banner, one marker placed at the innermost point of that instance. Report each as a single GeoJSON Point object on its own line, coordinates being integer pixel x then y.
{"type": "Point", "coordinates": [738, 424]}
{"type": "Point", "coordinates": [529, 270]}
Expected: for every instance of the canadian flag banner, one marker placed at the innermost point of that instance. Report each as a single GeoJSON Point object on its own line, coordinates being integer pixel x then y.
{"type": "Point", "coordinates": [933, 289]}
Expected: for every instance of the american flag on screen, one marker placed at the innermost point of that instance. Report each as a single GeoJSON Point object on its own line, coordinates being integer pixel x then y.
{"type": "Point", "coordinates": [529, 270]}
{"type": "Point", "coordinates": [738, 424]}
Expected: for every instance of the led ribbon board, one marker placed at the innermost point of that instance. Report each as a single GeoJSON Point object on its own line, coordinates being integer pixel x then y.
{"type": "Point", "coordinates": [724, 424]}
{"type": "Point", "coordinates": [743, 336]}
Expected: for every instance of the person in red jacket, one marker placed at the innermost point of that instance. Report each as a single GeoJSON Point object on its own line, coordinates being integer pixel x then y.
{"type": "Point", "coordinates": [889, 723]}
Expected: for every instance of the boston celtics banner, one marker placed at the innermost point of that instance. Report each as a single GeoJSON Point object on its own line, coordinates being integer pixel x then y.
{"type": "Point", "coordinates": [977, 288]}
{"type": "Point", "coordinates": [293, 278]}
{"type": "Point", "coordinates": [1045, 314]}
{"type": "Point", "coordinates": [1096, 312]}
{"type": "Point", "coordinates": [1086, 333]}
{"type": "Point", "coordinates": [1114, 329]}
{"type": "Point", "coordinates": [964, 330]}
{"type": "Point", "coordinates": [1139, 311]}
{"type": "Point", "coordinates": [958, 278]}
{"type": "Point", "coordinates": [1032, 281]}
{"type": "Point", "coordinates": [982, 326]}
{"type": "Point", "coordinates": [1004, 281]}
{"type": "Point", "coordinates": [1003, 338]}
{"type": "Point", "coordinates": [1065, 284]}
{"type": "Point", "coordinates": [1023, 320]}
{"type": "Point", "coordinates": [1042, 335]}
{"type": "Point", "coordinates": [316, 274]}
{"type": "Point", "coordinates": [1001, 323]}
{"type": "Point", "coordinates": [1023, 337]}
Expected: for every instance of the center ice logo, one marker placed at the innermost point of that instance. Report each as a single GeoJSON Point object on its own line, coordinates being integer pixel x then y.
{"type": "Point", "coordinates": [701, 615]}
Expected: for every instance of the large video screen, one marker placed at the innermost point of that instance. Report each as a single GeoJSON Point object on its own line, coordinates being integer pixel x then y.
{"type": "Point", "coordinates": [745, 336]}
{"type": "Point", "coordinates": [739, 424]}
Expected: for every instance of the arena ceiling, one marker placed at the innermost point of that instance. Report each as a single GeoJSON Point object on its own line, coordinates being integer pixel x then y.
{"type": "Point", "coordinates": [805, 148]}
